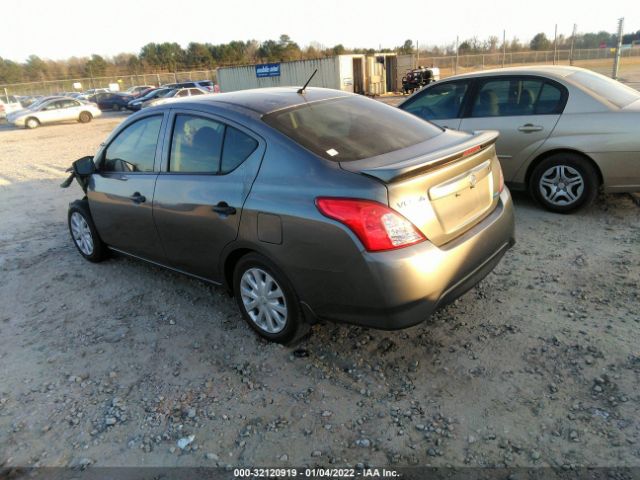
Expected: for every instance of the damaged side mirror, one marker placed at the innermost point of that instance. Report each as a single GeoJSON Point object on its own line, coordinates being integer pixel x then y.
{"type": "Point", "coordinates": [81, 170]}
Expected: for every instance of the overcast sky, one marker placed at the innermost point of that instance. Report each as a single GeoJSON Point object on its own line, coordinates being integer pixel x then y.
{"type": "Point", "coordinates": [60, 29]}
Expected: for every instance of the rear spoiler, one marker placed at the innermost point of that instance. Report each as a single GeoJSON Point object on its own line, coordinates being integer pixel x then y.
{"type": "Point", "coordinates": [418, 165]}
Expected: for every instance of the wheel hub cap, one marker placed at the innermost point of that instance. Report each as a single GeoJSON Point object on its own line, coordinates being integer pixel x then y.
{"type": "Point", "coordinates": [81, 233]}
{"type": "Point", "coordinates": [263, 300]}
{"type": "Point", "coordinates": [561, 185]}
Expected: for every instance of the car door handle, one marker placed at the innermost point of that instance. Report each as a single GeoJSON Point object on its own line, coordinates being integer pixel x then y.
{"type": "Point", "coordinates": [137, 198]}
{"type": "Point", "coordinates": [223, 208]}
{"type": "Point", "coordinates": [530, 127]}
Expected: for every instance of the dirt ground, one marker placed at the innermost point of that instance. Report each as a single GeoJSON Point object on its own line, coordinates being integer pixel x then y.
{"type": "Point", "coordinates": [115, 363]}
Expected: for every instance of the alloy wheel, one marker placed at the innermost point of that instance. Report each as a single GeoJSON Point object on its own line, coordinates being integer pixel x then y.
{"type": "Point", "coordinates": [263, 300]}
{"type": "Point", "coordinates": [81, 233]}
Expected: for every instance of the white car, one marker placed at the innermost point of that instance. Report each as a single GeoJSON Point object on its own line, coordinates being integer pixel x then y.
{"type": "Point", "coordinates": [54, 110]}
{"type": "Point", "coordinates": [174, 95]}
{"type": "Point", "coordinates": [9, 104]}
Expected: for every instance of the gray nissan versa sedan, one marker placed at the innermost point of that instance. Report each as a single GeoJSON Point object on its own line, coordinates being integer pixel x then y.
{"type": "Point", "coordinates": [306, 204]}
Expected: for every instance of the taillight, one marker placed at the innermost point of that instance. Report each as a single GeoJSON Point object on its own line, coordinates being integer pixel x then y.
{"type": "Point", "coordinates": [377, 226]}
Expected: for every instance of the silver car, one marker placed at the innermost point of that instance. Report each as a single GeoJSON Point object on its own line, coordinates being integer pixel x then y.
{"type": "Point", "coordinates": [174, 95]}
{"type": "Point", "coordinates": [564, 131]}
{"type": "Point", "coordinates": [57, 109]}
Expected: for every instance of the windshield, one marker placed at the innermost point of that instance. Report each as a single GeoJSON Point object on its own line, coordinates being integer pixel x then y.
{"type": "Point", "coordinates": [351, 128]}
{"type": "Point", "coordinates": [615, 92]}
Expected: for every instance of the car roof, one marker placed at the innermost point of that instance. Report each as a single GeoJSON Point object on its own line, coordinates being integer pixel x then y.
{"type": "Point", "coordinates": [267, 100]}
{"type": "Point", "coordinates": [557, 71]}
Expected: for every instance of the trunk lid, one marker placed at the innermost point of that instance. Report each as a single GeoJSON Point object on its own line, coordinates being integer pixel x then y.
{"type": "Point", "coordinates": [444, 186]}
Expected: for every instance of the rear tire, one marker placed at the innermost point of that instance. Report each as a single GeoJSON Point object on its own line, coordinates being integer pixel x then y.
{"type": "Point", "coordinates": [267, 300]}
{"type": "Point", "coordinates": [32, 123]}
{"type": "Point", "coordinates": [564, 182]}
{"type": "Point", "coordinates": [83, 232]}
{"type": "Point", "coordinates": [85, 117]}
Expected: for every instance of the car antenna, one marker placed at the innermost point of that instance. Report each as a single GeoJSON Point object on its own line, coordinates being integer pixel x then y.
{"type": "Point", "coordinates": [301, 91]}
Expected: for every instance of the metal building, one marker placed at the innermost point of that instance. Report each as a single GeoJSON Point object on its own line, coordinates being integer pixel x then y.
{"type": "Point", "coordinates": [342, 72]}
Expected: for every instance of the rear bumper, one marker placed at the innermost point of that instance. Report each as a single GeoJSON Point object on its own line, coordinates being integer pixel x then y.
{"type": "Point", "coordinates": [403, 287]}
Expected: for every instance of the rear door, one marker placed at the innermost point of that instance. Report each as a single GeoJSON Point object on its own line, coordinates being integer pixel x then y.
{"type": "Point", "coordinates": [51, 111]}
{"type": "Point", "coordinates": [440, 103]}
{"type": "Point", "coordinates": [121, 193]}
{"type": "Point", "coordinates": [208, 169]}
{"type": "Point", "coordinates": [70, 110]}
{"type": "Point", "coordinates": [524, 109]}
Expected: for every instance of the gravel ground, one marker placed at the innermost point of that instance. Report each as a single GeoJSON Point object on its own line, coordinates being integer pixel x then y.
{"type": "Point", "coordinates": [123, 363]}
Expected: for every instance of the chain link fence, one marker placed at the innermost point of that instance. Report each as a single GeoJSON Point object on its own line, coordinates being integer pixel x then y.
{"type": "Point", "coordinates": [50, 87]}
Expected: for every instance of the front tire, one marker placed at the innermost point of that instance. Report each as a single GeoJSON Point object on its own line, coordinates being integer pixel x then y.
{"type": "Point", "coordinates": [564, 182]}
{"type": "Point", "coordinates": [267, 300]}
{"type": "Point", "coordinates": [83, 232]}
{"type": "Point", "coordinates": [85, 117]}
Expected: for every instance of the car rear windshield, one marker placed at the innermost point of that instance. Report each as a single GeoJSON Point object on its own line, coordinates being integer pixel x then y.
{"type": "Point", "coordinates": [351, 128]}
{"type": "Point", "coordinates": [615, 92]}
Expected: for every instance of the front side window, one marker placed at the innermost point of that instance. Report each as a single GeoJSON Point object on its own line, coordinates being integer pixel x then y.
{"type": "Point", "coordinates": [133, 150]}
{"type": "Point", "coordinates": [182, 93]}
{"type": "Point", "coordinates": [351, 128]}
{"type": "Point", "coordinates": [196, 91]}
{"type": "Point", "coordinates": [438, 102]}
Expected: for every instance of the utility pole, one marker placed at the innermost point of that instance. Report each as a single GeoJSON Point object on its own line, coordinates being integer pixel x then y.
{"type": "Point", "coordinates": [455, 68]}
{"type": "Point", "coordinates": [504, 46]}
{"type": "Point", "coordinates": [417, 54]}
{"type": "Point", "coordinates": [616, 60]}
{"type": "Point", "coordinates": [573, 38]}
{"type": "Point", "coordinates": [555, 45]}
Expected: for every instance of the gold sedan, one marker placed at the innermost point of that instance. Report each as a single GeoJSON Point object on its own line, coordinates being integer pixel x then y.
{"type": "Point", "coordinates": [564, 131]}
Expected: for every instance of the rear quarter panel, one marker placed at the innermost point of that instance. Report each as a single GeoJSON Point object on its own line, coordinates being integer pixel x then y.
{"type": "Point", "coordinates": [611, 139]}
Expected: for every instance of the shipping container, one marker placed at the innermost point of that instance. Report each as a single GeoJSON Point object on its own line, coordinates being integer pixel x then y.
{"type": "Point", "coordinates": [341, 72]}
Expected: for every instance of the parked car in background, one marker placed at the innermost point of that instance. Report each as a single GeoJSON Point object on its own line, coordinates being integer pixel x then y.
{"type": "Point", "coordinates": [173, 95]}
{"type": "Point", "coordinates": [26, 100]}
{"type": "Point", "coordinates": [136, 103]}
{"type": "Point", "coordinates": [114, 101]}
{"type": "Point", "coordinates": [93, 91]}
{"type": "Point", "coordinates": [138, 90]}
{"type": "Point", "coordinates": [564, 131]}
{"type": "Point", "coordinates": [53, 110]}
{"type": "Point", "coordinates": [202, 84]}
{"type": "Point", "coordinates": [9, 104]}
{"type": "Point", "coordinates": [323, 204]}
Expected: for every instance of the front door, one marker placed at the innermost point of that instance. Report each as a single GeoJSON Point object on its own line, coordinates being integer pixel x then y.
{"type": "Point", "coordinates": [207, 172]}
{"type": "Point", "coordinates": [121, 193]}
{"type": "Point", "coordinates": [525, 110]}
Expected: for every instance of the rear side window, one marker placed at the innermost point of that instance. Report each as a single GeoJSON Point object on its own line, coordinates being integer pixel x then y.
{"type": "Point", "coordinates": [351, 128]}
{"type": "Point", "coordinates": [237, 148]}
{"type": "Point", "coordinates": [506, 97]}
{"type": "Point", "coordinates": [202, 145]}
{"type": "Point", "coordinates": [133, 150]}
{"type": "Point", "coordinates": [196, 145]}
{"type": "Point", "coordinates": [549, 100]}
{"type": "Point", "coordinates": [438, 102]}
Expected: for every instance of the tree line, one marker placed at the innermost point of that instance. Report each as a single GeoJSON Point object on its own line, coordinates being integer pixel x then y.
{"type": "Point", "coordinates": [171, 57]}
